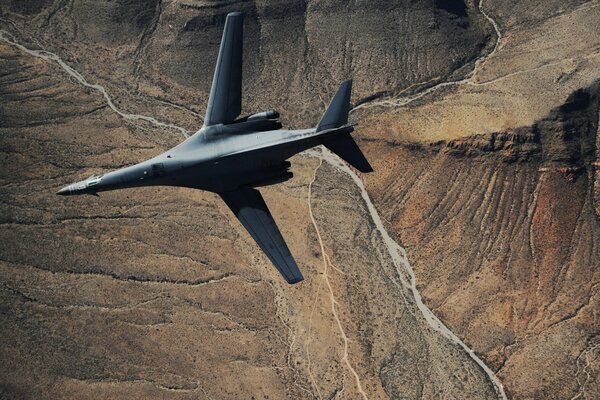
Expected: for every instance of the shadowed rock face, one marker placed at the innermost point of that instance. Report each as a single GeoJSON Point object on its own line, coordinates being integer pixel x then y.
{"type": "Point", "coordinates": [158, 293]}
{"type": "Point", "coordinates": [456, 7]}
{"type": "Point", "coordinates": [28, 7]}
{"type": "Point", "coordinates": [502, 231]}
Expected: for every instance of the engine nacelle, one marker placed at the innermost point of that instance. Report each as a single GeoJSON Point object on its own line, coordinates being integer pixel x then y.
{"type": "Point", "coordinates": [280, 178]}
{"type": "Point", "coordinates": [256, 125]}
{"type": "Point", "coordinates": [272, 114]}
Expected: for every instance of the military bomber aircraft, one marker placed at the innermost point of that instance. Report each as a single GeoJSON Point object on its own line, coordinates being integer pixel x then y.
{"type": "Point", "coordinates": [232, 156]}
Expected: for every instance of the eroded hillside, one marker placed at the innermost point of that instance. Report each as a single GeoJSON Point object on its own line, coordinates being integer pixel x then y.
{"type": "Point", "coordinates": [509, 219]}
{"type": "Point", "coordinates": [485, 152]}
{"type": "Point", "coordinates": [492, 184]}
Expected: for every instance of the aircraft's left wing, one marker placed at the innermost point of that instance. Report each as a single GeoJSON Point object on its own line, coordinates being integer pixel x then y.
{"type": "Point", "coordinates": [249, 207]}
{"type": "Point", "coordinates": [225, 102]}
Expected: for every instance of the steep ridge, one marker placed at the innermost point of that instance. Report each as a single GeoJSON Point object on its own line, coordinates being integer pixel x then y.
{"type": "Point", "coordinates": [513, 214]}
{"type": "Point", "coordinates": [492, 183]}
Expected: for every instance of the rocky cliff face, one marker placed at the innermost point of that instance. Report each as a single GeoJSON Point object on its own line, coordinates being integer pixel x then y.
{"type": "Point", "coordinates": [486, 160]}
{"type": "Point", "coordinates": [502, 229]}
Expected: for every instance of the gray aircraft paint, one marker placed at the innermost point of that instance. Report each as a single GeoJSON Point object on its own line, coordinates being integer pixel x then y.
{"type": "Point", "coordinates": [232, 156]}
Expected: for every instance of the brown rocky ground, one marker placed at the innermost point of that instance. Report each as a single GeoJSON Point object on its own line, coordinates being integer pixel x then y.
{"type": "Point", "coordinates": [144, 294]}
{"type": "Point", "coordinates": [508, 219]}
{"type": "Point", "coordinates": [488, 183]}
{"type": "Point", "coordinates": [297, 52]}
{"type": "Point", "coordinates": [492, 186]}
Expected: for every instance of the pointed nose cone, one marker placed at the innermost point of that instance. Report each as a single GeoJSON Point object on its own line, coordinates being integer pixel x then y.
{"type": "Point", "coordinates": [64, 191]}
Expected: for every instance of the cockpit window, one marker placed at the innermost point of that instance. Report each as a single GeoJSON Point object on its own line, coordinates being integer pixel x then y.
{"type": "Point", "coordinates": [94, 181]}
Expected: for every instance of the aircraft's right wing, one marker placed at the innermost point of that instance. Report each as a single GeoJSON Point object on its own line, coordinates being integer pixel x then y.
{"type": "Point", "coordinates": [249, 207]}
{"type": "Point", "coordinates": [225, 102]}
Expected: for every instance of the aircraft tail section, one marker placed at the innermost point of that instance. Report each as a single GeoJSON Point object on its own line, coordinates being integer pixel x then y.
{"type": "Point", "coordinates": [337, 112]}
{"type": "Point", "coordinates": [339, 141]}
{"type": "Point", "coordinates": [346, 148]}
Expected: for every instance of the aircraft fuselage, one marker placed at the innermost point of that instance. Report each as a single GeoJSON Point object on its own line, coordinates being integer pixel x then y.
{"type": "Point", "coordinates": [232, 156]}
{"type": "Point", "coordinates": [217, 158]}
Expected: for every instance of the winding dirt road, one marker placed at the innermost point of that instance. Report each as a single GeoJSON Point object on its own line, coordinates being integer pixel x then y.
{"type": "Point", "coordinates": [48, 56]}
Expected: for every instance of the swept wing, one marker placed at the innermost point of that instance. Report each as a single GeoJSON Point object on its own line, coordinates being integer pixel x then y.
{"type": "Point", "coordinates": [250, 208]}
{"type": "Point", "coordinates": [225, 102]}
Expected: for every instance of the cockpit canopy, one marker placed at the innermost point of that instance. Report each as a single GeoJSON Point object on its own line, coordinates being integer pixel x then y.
{"type": "Point", "coordinates": [93, 180]}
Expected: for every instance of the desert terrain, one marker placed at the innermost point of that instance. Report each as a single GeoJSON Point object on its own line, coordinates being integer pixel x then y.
{"type": "Point", "coordinates": [464, 267]}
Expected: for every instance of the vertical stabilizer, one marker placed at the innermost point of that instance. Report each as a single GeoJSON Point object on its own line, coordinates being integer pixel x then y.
{"type": "Point", "coordinates": [337, 113]}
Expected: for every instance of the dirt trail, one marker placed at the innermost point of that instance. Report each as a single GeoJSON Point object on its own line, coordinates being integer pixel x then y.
{"type": "Point", "coordinates": [334, 303]}
{"type": "Point", "coordinates": [48, 56]}
{"type": "Point", "coordinates": [405, 271]}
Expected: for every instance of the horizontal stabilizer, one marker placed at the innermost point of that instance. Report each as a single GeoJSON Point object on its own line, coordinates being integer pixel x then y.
{"type": "Point", "coordinates": [346, 148]}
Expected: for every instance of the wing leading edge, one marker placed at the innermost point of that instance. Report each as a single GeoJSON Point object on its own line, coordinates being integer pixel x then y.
{"type": "Point", "coordinates": [250, 208]}
{"type": "Point", "coordinates": [225, 102]}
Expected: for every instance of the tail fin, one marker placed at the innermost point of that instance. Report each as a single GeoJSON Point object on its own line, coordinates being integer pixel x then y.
{"type": "Point", "coordinates": [342, 143]}
{"type": "Point", "coordinates": [337, 113]}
